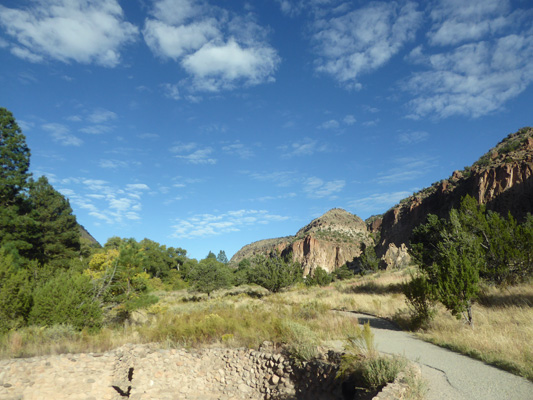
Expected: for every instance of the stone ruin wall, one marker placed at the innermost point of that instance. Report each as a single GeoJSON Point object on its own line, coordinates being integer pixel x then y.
{"type": "Point", "coordinates": [145, 372]}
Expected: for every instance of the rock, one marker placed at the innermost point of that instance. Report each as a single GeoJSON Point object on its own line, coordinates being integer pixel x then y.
{"type": "Point", "coordinates": [395, 258]}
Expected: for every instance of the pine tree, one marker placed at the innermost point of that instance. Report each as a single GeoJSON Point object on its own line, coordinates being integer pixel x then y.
{"type": "Point", "coordinates": [59, 237]}
{"type": "Point", "coordinates": [15, 226]}
{"type": "Point", "coordinates": [14, 160]}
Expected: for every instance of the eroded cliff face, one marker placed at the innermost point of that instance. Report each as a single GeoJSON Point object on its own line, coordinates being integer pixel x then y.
{"type": "Point", "coordinates": [312, 253]}
{"type": "Point", "coordinates": [329, 242]}
{"type": "Point", "coordinates": [503, 182]}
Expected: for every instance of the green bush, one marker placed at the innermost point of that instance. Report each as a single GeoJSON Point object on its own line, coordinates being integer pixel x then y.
{"type": "Point", "coordinates": [275, 272]}
{"type": "Point", "coordinates": [320, 277]}
{"type": "Point", "coordinates": [421, 300]}
{"type": "Point", "coordinates": [67, 298]}
{"type": "Point", "coordinates": [364, 366]}
{"type": "Point", "coordinates": [301, 342]}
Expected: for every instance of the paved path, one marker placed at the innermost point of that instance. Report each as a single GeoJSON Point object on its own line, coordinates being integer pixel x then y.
{"type": "Point", "coordinates": [449, 375]}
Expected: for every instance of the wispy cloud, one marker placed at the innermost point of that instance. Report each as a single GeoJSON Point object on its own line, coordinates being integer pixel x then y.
{"type": "Point", "coordinates": [279, 178]}
{"type": "Point", "coordinates": [101, 115]}
{"type": "Point", "coordinates": [406, 169]}
{"type": "Point", "coordinates": [205, 225]}
{"type": "Point", "coordinates": [104, 201]}
{"type": "Point", "coordinates": [171, 90]}
{"type": "Point", "coordinates": [331, 124]}
{"type": "Point", "coordinates": [349, 120]}
{"type": "Point", "coordinates": [305, 147]}
{"type": "Point", "coordinates": [362, 40]}
{"type": "Point", "coordinates": [318, 188]}
{"type": "Point", "coordinates": [377, 203]}
{"type": "Point", "coordinates": [69, 30]}
{"type": "Point", "coordinates": [413, 137]}
{"type": "Point", "coordinates": [196, 154]}
{"type": "Point", "coordinates": [480, 56]}
{"type": "Point", "coordinates": [239, 150]}
{"type": "Point", "coordinates": [61, 133]}
{"type": "Point", "coordinates": [96, 129]}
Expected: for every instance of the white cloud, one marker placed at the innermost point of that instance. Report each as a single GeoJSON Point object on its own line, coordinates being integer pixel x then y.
{"type": "Point", "coordinates": [331, 124]}
{"type": "Point", "coordinates": [238, 149]}
{"type": "Point", "coordinates": [406, 169]}
{"type": "Point", "coordinates": [377, 203]}
{"type": "Point", "coordinates": [103, 201]}
{"type": "Point", "coordinates": [96, 129]}
{"type": "Point", "coordinates": [171, 90]}
{"type": "Point", "coordinates": [196, 155]}
{"type": "Point", "coordinates": [317, 188]}
{"type": "Point", "coordinates": [349, 120]}
{"type": "Point", "coordinates": [413, 137]}
{"type": "Point", "coordinates": [457, 21]}
{"type": "Point", "coordinates": [174, 42]}
{"type": "Point", "coordinates": [69, 30]}
{"type": "Point", "coordinates": [218, 49]}
{"type": "Point", "coordinates": [221, 66]}
{"type": "Point", "coordinates": [363, 40]}
{"type": "Point", "coordinates": [306, 147]}
{"type": "Point", "coordinates": [204, 225]}
{"type": "Point", "coordinates": [113, 164]}
{"type": "Point", "coordinates": [101, 115]}
{"type": "Point", "coordinates": [61, 133]}
{"type": "Point", "coordinates": [490, 60]}
{"type": "Point", "coordinates": [280, 178]}
{"type": "Point", "coordinates": [137, 186]}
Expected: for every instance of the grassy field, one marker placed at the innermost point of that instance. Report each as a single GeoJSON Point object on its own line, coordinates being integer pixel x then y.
{"type": "Point", "coordinates": [300, 318]}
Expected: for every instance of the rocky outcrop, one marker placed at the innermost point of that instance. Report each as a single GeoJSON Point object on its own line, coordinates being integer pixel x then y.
{"type": "Point", "coordinates": [501, 179]}
{"type": "Point", "coordinates": [329, 242]}
{"type": "Point", "coordinates": [395, 257]}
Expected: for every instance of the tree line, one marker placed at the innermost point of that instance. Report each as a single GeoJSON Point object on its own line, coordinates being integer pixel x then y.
{"type": "Point", "coordinates": [50, 275]}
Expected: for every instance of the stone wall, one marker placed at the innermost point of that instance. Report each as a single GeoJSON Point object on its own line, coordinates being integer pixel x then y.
{"type": "Point", "coordinates": [147, 372]}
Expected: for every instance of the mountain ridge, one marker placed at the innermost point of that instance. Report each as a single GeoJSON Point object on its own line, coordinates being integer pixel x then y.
{"type": "Point", "coordinates": [502, 179]}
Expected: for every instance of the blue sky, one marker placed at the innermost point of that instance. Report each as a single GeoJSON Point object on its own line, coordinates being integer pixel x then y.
{"type": "Point", "coordinates": [208, 125]}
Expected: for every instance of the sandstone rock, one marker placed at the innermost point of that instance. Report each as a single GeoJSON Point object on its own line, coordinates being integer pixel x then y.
{"type": "Point", "coordinates": [395, 258]}
{"type": "Point", "coordinates": [330, 241]}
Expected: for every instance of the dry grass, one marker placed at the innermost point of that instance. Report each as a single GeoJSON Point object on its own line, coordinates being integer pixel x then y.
{"type": "Point", "coordinates": [502, 334]}
{"type": "Point", "coordinates": [246, 316]}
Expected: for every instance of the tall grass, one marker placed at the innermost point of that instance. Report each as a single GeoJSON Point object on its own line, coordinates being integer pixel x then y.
{"type": "Point", "coordinates": [247, 316]}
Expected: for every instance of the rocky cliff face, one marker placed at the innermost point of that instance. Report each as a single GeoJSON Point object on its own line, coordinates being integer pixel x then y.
{"type": "Point", "coordinates": [501, 179]}
{"type": "Point", "coordinates": [330, 241]}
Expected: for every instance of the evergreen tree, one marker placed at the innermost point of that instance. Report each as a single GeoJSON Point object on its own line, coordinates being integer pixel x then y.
{"type": "Point", "coordinates": [59, 237]}
{"type": "Point", "coordinates": [14, 160]}
{"type": "Point", "coordinates": [222, 257]}
{"type": "Point", "coordinates": [210, 275]}
{"type": "Point", "coordinates": [275, 272]}
{"type": "Point", "coordinates": [15, 226]}
{"type": "Point", "coordinates": [15, 290]}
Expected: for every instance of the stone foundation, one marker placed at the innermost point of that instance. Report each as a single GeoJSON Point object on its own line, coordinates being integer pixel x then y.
{"type": "Point", "coordinates": [146, 372]}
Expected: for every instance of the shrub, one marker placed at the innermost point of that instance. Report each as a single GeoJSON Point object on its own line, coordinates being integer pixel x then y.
{"type": "Point", "coordinates": [68, 299]}
{"type": "Point", "coordinates": [320, 277]}
{"type": "Point", "coordinates": [301, 342]}
{"type": "Point", "coordinates": [362, 364]}
{"type": "Point", "coordinates": [275, 273]}
{"type": "Point", "coordinates": [420, 299]}
{"type": "Point", "coordinates": [15, 293]}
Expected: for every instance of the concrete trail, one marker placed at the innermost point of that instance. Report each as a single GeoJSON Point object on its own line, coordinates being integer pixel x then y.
{"type": "Point", "coordinates": [449, 375]}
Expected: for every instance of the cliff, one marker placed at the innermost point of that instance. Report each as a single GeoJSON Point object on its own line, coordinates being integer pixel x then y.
{"type": "Point", "coordinates": [501, 179]}
{"type": "Point", "coordinates": [330, 241]}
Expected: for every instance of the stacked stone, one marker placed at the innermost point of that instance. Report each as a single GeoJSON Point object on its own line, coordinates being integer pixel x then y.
{"type": "Point", "coordinates": [146, 372]}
